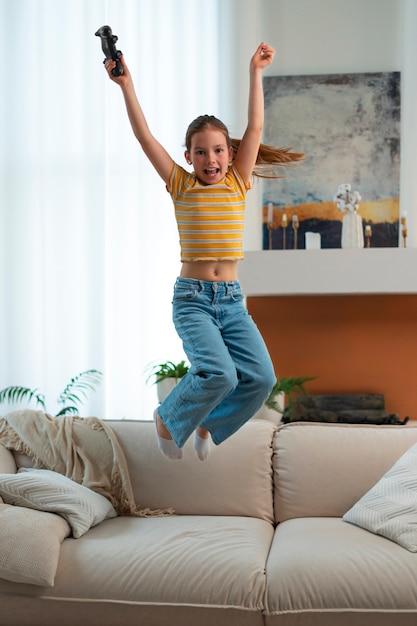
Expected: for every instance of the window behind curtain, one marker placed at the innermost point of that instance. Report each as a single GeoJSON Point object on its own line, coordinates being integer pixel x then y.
{"type": "Point", "coordinates": [88, 242]}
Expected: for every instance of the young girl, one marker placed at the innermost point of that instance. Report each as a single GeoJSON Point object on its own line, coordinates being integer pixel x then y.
{"type": "Point", "coordinates": [231, 373]}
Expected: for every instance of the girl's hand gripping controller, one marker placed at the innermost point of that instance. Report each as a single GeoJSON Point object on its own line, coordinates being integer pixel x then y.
{"type": "Point", "coordinates": [108, 41]}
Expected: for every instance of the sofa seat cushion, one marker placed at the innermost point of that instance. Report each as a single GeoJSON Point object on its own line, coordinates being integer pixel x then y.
{"type": "Point", "coordinates": [326, 567]}
{"type": "Point", "coordinates": [215, 563]}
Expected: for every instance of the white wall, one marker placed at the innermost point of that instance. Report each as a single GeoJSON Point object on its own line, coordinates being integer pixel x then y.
{"type": "Point", "coordinates": [331, 36]}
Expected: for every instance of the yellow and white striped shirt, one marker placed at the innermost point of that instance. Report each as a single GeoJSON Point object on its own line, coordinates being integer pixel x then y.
{"type": "Point", "coordinates": [210, 218]}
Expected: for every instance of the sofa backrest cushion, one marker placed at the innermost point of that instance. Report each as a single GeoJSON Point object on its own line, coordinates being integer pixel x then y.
{"type": "Point", "coordinates": [236, 479]}
{"type": "Point", "coordinates": [321, 470]}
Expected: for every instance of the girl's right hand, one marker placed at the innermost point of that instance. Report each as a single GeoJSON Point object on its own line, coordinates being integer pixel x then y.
{"type": "Point", "coordinates": [120, 80]}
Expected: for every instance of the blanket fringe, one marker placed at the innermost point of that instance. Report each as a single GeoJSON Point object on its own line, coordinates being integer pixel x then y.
{"type": "Point", "coordinates": [155, 512]}
{"type": "Point", "coordinates": [13, 442]}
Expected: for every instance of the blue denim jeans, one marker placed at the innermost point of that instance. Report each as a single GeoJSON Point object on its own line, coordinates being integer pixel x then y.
{"type": "Point", "coordinates": [231, 373]}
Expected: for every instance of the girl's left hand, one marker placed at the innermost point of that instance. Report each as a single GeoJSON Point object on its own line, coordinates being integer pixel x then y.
{"type": "Point", "coordinates": [263, 56]}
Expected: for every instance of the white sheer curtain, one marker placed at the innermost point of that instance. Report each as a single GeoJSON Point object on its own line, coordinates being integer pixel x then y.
{"type": "Point", "coordinates": [88, 241]}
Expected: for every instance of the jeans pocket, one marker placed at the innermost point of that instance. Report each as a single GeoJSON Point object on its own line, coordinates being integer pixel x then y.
{"type": "Point", "coordinates": [184, 294]}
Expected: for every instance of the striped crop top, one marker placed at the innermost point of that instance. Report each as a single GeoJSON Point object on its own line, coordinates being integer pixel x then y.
{"type": "Point", "coordinates": [210, 218]}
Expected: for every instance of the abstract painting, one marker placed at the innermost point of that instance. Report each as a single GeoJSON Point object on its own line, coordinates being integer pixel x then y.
{"type": "Point", "coordinates": [348, 126]}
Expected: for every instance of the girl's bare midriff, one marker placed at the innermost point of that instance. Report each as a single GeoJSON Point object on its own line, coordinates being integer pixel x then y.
{"type": "Point", "coordinates": [222, 271]}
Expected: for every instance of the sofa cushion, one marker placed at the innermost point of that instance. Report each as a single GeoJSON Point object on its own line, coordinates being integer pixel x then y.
{"type": "Point", "coordinates": [324, 469]}
{"type": "Point", "coordinates": [177, 560]}
{"type": "Point", "coordinates": [30, 544]}
{"type": "Point", "coordinates": [45, 490]}
{"type": "Point", "coordinates": [390, 507]}
{"type": "Point", "coordinates": [234, 480]}
{"type": "Point", "coordinates": [200, 570]}
{"type": "Point", "coordinates": [323, 571]}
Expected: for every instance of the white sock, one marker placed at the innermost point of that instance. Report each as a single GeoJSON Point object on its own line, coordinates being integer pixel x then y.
{"type": "Point", "coordinates": [201, 446]}
{"type": "Point", "coordinates": [168, 447]}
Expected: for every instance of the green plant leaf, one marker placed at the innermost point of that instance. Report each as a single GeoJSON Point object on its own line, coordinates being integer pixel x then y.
{"type": "Point", "coordinates": [68, 410]}
{"type": "Point", "coordinates": [169, 369]}
{"type": "Point", "coordinates": [84, 382]}
{"type": "Point", "coordinates": [71, 397]}
{"type": "Point", "coordinates": [16, 394]}
{"type": "Point", "coordinates": [289, 386]}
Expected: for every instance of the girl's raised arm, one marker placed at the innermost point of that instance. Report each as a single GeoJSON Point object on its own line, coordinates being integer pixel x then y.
{"type": "Point", "coordinates": [155, 152]}
{"type": "Point", "coordinates": [248, 149]}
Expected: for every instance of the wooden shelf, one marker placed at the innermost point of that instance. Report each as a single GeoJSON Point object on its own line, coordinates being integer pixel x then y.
{"type": "Point", "coordinates": [326, 272]}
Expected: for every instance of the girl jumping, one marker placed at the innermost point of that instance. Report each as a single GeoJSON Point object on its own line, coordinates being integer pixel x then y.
{"type": "Point", "coordinates": [231, 373]}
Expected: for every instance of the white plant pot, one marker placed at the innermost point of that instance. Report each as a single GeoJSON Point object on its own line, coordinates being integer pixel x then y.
{"type": "Point", "coordinates": [265, 413]}
{"type": "Point", "coordinates": [164, 387]}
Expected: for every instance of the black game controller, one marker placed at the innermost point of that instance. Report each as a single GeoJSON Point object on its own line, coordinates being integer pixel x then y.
{"type": "Point", "coordinates": [108, 41]}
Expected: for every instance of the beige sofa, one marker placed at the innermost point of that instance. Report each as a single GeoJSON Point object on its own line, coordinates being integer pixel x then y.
{"type": "Point", "coordinates": [258, 538]}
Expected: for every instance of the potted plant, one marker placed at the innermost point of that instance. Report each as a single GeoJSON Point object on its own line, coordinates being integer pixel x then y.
{"type": "Point", "coordinates": [166, 376]}
{"type": "Point", "coordinates": [70, 398]}
{"type": "Point", "coordinates": [283, 394]}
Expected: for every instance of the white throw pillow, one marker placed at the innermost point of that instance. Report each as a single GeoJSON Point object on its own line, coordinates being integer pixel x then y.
{"type": "Point", "coordinates": [49, 491]}
{"type": "Point", "coordinates": [390, 507]}
{"type": "Point", "coordinates": [30, 544]}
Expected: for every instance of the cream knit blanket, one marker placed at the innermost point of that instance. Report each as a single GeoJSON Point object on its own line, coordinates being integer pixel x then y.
{"type": "Point", "coordinates": [84, 449]}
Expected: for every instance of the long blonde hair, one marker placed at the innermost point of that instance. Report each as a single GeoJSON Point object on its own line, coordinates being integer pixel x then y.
{"type": "Point", "coordinates": [269, 159]}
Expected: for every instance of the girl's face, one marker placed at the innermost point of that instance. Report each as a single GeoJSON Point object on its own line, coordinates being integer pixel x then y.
{"type": "Point", "coordinates": [209, 155]}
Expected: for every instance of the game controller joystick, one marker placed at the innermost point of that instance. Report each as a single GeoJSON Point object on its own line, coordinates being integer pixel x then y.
{"type": "Point", "coordinates": [108, 41]}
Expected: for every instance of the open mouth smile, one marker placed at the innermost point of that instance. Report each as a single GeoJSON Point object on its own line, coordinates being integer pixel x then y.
{"type": "Point", "coordinates": [212, 171]}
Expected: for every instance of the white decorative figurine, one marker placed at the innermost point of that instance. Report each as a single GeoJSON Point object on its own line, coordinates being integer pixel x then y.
{"type": "Point", "coordinates": [352, 231]}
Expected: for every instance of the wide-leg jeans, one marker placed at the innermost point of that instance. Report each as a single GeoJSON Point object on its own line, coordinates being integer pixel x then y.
{"type": "Point", "coordinates": [231, 373]}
